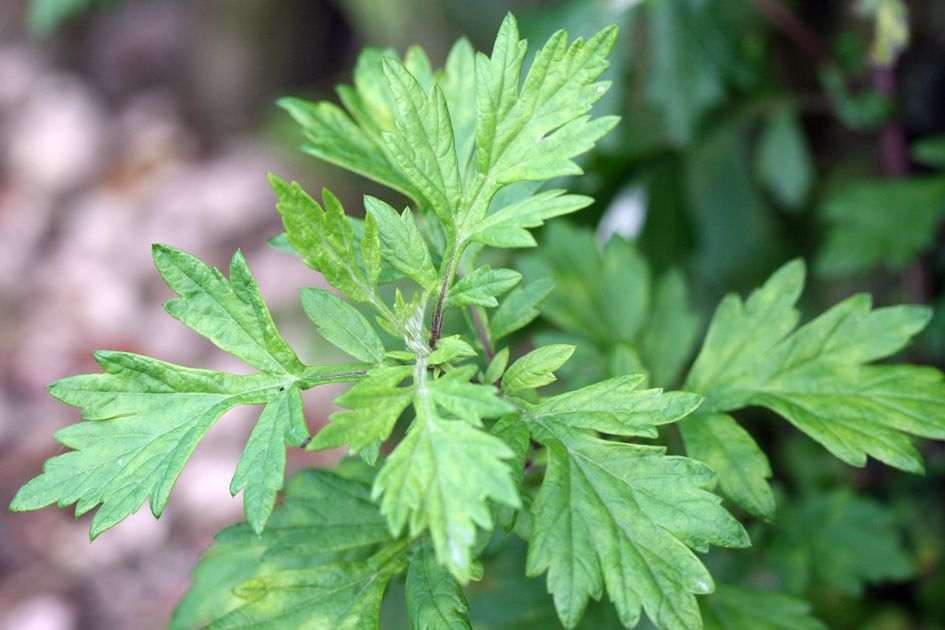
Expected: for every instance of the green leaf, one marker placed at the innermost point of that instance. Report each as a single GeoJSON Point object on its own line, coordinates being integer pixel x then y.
{"type": "Point", "coordinates": [733, 608]}
{"type": "Point", "coordinates": [402, 245]}
{"type": "Point", "coordinates": [423, 145]}
{"type": "Point", "coordinates": [519, 308]}
{"type": "Point", "coordinates": [874, 223]}
{"type": "Point", "coordinates": [497, 366]}
{"type": "Point", "coordinates": [145, 417]}
{"type": "Point", "coordinates": [743, 469]}
{"type": "Point", "coordinates": [840, 539]}
{"type": "Point", "coordinates": [325, 518]}
{"type": "Point", "coordinates": [458, 82]}
{"type": "Point", "coordinates": [506, 228]}
{"type": "Point", "coordinates": [434, 598]}
{"type": "Point", "coordinates": [373, 406]}
{"type": "Point", "coordinates": [323, 237]}
{"type": "Point", "coordinates": [482, 286]}
{"type": "Point", "coordinates": [818, 376]}
{"type": "Point", "coordinates": [449, 348]}
{"type": "Point", "coordinates": [533, 134]}
{"type": "Point", "coordinates": [668, 338]}
{"type": "Point", "coordinates": [624, 517]}
{"type": "Point", "coordinates": [344, 594]}
{"type": "Point", "coordinates": [332, 136]}
{"type": "Point", "coordinates": [322, 513]}
{"type": "Point", "coordinates": [514, 432]}
{"type": "Point", "coordinates": [230, 314]}
{"type": "Point", "coordinates": [536, 368]}
{"type": "Point", "coordinates": [342, 325]}
{"type": "Point", "coordinates": [261, 469]}
{"type": "Point", "coordinates": [440, 478]}
{"type": "Point", "coordinates": [468, 401]}
{"type": "Point", "coordinates": [617, 406]}
{"type": "Point", "coordinates": [784, 163]}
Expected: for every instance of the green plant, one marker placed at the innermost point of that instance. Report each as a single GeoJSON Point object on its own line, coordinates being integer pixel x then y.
{"type": "Point", "coordinates": [484, 461]}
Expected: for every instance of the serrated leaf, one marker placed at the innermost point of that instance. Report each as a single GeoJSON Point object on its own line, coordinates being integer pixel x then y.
{"type": "Point", "coordinates": [469, 401]}
{"type": "Point", "coordinates": [536, 368]}
{"type": "Point", "coordinates": [668, 338]}
{"type": "Point", "coordinates": [506, 228]}
{"type": "Point", "coordinates": [733, 608]}
{"type": "Point", "coordinates": [344, 595]}
{"type": "Point", "coordinates": [145, 417]}
{"type": "Point", "coordinates": [231, 313]}
{"type": "Point", "coordinates": [617, 406]}
{"type": "Point", "coordinates": [439, 478]}
{"type": "Point", "coordinates": [482, 286]}
{"type": "Point", "coordinates": [423, 145]}
{"type": "Point", "coordinates": [519, 308]}
{"type": "Point", "coordinates": [743, 468]}
{"type": "Point", "coordinates": [818, 376]}
{"type": "Point", "coordinates": [434, 598]}
{"type": "Point", "coordinates": [402, 245]}
{"type": "Point", "coordinates": [323, 237]}
{"type": "Point", "coordinates": [512, 430]}
{"type": "Point", "coordinates": [373, 406]}
{"type": "Point", "coordinates": [261, 470]}
{"type": "Point", "coordinates": [342, 325]}
{"type": "Point", "coordinates": [532, 134]}
{"type": "Point", "coordinates": [624, 518]}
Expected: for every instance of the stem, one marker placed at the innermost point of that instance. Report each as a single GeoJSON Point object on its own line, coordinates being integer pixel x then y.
{"type": "Point", "coordinates": [483, 337]}
{"type": "Point", "coordinates": [794, 28]}
{"type": "Point", "coordinates": [437, 325]}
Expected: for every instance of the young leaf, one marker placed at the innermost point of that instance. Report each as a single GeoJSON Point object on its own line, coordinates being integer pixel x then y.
{"type": "Point", "coordinates": [519, 308]}
{"type": "Point", "coordinates": [434, 598]}
{"type": "Point", "coordinates": [402, 245]}
{"type": "Point", "coordinates": [482, 286]}
{"type": "Point", "coordinates": [818, 376]}
{"type": "Point", "coordinates": [439, 478]}
{"type": "Point", "coordinates": [506, 228]}
{"type": "Point", "coordinates": [373, 406]}
{"type": "Point", "coordinates": [618, 407]}
{"type": "Point", "coordinates": [743, 469]}
{"type": "Point", "coordinates": [323, 237]}
{"type": "Point", "coordinates": [342, 325]}
{"type": "Point", "coordinates": [423, 144]}
{"type": "Point", "coordinates": [497, 366]}
{"type": "Point", "coordinates": [536, 368]}
{"type": "Point", "coordinates": [784, 163]}
{"type": "Point", "coordinates": [145, 417]}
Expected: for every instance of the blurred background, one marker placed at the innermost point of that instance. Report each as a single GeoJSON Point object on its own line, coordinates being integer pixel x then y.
{"type": "Point", "coordinates": [753, 131]}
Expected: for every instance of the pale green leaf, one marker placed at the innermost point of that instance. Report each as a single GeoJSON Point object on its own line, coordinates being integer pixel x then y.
{"type": "Point", "coordinates": [449, 348]}
{"type": "Point", "coordinates": [423, 145]}
{"type": "Point", "coordinates": [402, 245]}
{"type": "Point", "coordinates": [497, 365]}
{"type": "Point", "coordinates": [506, 228]}
{"type": "Point", "coordinates": [784, 163]}
{"type": "Point", "coordinates": [342, 325]}
{"type": "Point", "coordinates": [373, 406]}
{"type": "Point", "coordinates": [482, 286]}
{"type": "Point", "coordinates": [536, 368]}
{"type": "Point", "coordinates": [439, 478]}
{"type": "Point", "coordinates": [261, 470]}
